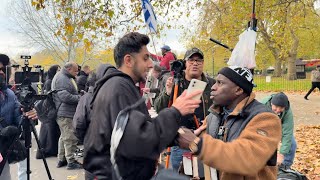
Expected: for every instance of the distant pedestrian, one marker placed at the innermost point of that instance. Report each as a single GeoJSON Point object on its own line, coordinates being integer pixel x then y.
{"type": "Point", "coordinates": [315, 80]}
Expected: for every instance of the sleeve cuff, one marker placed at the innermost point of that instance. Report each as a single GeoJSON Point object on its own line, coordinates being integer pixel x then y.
{"type": "Point", "coordinates": [176, 112]}
{"type": "Point", "coordinates": [199, 147]}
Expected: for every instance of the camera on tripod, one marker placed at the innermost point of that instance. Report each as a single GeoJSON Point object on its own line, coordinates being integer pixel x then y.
{"type": "Point", "coordinates": [27, 96]}
{"type": "Point", "coordinates": [177, 66]}
{"type": "Point", "coordinates": [29, 84]}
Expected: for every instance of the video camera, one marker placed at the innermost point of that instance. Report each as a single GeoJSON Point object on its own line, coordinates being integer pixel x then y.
{"type": "Point", "coordinates": [25, 81]}
{"type": "Point", "coordinates": [177, 66]}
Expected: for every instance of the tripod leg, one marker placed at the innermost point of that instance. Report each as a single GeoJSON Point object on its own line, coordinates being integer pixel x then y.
{"type": "Point", "coordinates": [41, 149]}
{"type": "Point", "coordinates": [27, 138]}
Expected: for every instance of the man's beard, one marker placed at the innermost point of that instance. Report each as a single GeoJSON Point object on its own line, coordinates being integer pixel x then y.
{"type": "Point", "coordinates": [138, 75]}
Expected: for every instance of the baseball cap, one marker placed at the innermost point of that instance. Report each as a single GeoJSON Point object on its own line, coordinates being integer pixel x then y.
{"type": "Point", "coordinates": [193, 51]}
{"type": "Point", "coordinates": [166, 47]}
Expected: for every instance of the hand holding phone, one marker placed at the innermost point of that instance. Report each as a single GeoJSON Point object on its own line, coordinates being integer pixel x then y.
{"type": "Point", "coordinates": [196, 84]}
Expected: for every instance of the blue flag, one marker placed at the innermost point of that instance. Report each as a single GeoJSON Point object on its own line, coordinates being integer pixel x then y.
{"type": "Point", "coordinates": [149, 16]}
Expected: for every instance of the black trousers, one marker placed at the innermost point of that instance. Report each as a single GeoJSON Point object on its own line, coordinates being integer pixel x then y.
{"type": "Point", "coordinates": [314, 85]}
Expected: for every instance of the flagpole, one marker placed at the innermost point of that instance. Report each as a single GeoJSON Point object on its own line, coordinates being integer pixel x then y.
{"type": "Point", "coordinates": [155, 49]}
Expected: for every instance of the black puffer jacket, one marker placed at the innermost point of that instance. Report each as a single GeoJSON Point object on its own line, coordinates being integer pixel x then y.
{"type": "Point", "coordinates": [143, 140]}
{"type": "Point", "coordinates": [81, 118]}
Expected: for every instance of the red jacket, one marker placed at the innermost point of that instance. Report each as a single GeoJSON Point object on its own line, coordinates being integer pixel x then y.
{"type": "Point", "coordinates": [165, 60]}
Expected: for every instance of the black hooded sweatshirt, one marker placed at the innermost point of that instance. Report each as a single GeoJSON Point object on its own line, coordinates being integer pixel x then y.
{"type": "Point", "coordinates": [143, 140]}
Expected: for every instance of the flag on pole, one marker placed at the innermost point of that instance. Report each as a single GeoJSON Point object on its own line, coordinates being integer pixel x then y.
{"type": "Point", "coordinates": [149, 16]}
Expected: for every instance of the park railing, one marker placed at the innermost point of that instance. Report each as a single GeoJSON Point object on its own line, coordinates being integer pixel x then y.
{"type": "Point", "coordinates": [271, 83]}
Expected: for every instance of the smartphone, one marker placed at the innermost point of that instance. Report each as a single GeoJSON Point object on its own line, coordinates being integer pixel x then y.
{"type": "Point", "coordinates": [196, 84]}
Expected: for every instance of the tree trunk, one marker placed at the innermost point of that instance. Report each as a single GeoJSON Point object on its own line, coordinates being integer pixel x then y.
{"type": "Point", "coordinates": [277, 68]}
{"type": "Point", "coordinates": [291, 75]}
{"type": "Point", "coordinates": [292, 56]}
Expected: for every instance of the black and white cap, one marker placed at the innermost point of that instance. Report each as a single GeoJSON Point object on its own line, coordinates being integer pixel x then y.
{"type": "Point", "coordinates": [241, 76]}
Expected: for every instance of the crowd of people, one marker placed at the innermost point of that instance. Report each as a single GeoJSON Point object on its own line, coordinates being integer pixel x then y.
{"type": "Point", "coordinates": [231, 133]}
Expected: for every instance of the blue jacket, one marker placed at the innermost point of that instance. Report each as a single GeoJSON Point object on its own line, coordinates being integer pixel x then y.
{"type": "Point", "coordinates": [10, 108]}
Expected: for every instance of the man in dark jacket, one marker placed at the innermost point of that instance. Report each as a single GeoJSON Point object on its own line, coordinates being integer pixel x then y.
{"type": "Point", "coordinates": [144, 138]}
{"type": "Point", "coordinates": [81, 119]}
{"type": "Point", "coordinates": [83, 78]}
{"type": "Point", "coordinates": [194, 70]}
{"type": "Point", "coordinates": [66, 99]}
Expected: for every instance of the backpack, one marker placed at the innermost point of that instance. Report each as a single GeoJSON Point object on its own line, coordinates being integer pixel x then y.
{"type": "Point", "coordinates": [46, 108]}
{"type": "Point", "coordinates": [290, 174]}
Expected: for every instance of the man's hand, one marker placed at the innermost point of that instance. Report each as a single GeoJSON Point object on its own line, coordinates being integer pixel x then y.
{"type": "Point", "coordinates": [32, 114]}
{"type": "Point", "coordinates": [169, 84]}
{"type": "Point", "coordinates": [146, 90]}
{"type": "Point", "coordinates": [198, 131]}
{"type": "Point", "coordinates": [186, 136]}
{"type": "Point", "coordinates": [185, 104]}
{"type": "Point", "coordinates": [280, 158]}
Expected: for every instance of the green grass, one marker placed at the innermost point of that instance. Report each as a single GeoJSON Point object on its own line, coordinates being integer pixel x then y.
{"type": "Point", "coordinates": [281, 84]}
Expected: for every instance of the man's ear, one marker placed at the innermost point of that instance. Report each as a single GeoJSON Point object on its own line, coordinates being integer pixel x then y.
{"type": "Point", "coordinates": [127, 60]}
{"type": "Point", "coordinates": [239, 91]}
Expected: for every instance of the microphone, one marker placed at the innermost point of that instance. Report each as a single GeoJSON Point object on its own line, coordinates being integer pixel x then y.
{"type": "Point", "coordinates": [219, 43]}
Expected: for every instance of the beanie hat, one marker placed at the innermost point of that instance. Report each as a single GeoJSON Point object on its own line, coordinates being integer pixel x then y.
{"type": "Point", "coordinates": [281, 100]}
{"type": "Point", "coordinates": [241, 76]}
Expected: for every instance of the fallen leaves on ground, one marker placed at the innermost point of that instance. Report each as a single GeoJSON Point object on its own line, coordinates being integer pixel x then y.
{"type": "Point", "coordinates": [307, 160]}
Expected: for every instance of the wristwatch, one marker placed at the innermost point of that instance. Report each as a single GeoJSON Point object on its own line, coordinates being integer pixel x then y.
{"type": "Point", "coordinates": [193, 146]}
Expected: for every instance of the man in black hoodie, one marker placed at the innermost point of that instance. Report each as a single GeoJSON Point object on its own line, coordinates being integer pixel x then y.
{"type": "Point", "coordinates": [144, 138]}
{"type": "Point", "coordinates": [83, 78]}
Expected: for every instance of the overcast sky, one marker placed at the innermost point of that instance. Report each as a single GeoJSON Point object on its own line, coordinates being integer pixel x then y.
{"type": "Point", "coordinates": [14, 45]}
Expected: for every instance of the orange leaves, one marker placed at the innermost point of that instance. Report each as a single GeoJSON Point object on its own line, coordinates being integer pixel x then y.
{"type": "Point", "coordinates": [307, 158]}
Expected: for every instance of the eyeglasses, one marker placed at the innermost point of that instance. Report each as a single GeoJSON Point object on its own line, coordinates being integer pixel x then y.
{"type": "Point", "coordinates": [199, 61]}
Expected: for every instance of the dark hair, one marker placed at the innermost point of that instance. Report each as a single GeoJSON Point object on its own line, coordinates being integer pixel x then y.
{"type": "Point", "coordinates": [4, 59]}
{"type": "Point", "coordinates": [92, 79]}
{"type": "Point", "coordinates": [129, 43]}
{"type": "Point", "coordinates": [52, 71]}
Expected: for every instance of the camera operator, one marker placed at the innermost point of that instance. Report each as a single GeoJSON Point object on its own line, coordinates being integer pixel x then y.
{"type": "Point", "coordinates": [194, 70]}
{"type": "Point", "coordinates": [11, 114]}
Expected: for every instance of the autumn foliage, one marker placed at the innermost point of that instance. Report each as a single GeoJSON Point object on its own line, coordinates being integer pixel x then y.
{"type": "Point", "coordinates": [307, 160]}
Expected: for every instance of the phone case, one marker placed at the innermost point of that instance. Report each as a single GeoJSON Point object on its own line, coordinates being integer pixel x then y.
{"type": "Point", "coordinates": [196, 84]}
